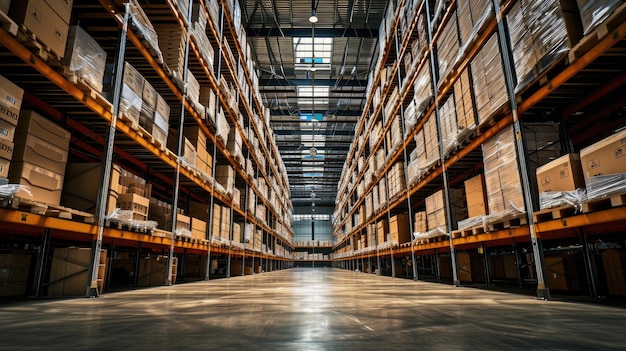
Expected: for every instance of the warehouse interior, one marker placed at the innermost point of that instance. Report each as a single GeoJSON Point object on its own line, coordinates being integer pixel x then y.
{"type": "Point", "coordinates": [147, 145]}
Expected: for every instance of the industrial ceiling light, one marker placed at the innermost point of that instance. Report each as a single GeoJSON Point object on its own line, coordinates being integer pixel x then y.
{"type": "Point", "coordinates": [313, 151]}
{"type": "Point", "coordinates": [313, 18]}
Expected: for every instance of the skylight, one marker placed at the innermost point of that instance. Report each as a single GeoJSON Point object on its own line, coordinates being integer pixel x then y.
{"type": "Point", "coordinates": [307, 93]}
{"type": "Point", "coordinates": [304, 48]}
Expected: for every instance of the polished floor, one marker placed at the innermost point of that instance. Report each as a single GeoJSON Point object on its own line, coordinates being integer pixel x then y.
{"type": "Point", "coordinates": [310, 309]}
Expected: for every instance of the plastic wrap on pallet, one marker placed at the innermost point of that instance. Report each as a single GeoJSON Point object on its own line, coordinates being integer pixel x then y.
{"type": "Point", "coordinates": [447, 47]}
{"type": "Point", "coordinates": [222, 128]}
{"type": "Point", "coordinates": [594, 12]}
{"type": "Point", "coordinates": [423, 90]}
{"type": "Point", "coordinates": [125, 217]}
{"type": "Point", "coordinates": [473, 14]}
{"type": "Point", "coordinates": [448, 124]}
{"type": "Point", "coordinates": [183, 232]}
{"type": "Point", "coordinates": [140, 21]}
{"type": "Point", "coordinates": [9, 190]}
{"type": "Point", "coordinates": [86, 58]}
{"type": "Point", "coordinates": [438, 12]}
{"type": "Point", "coordinates": [439, 231]}
{"type": "Point", "coordinates": [502, 179]}
{"type": "Point", "coordinates": [539, 36]}
{"type": "Point", "coordinates": [512, 212]}
{"type": "Point", "coordinates": [551, 199]}
{"type": "Point", "coordinates": [602, 186]}
{"type": "Point", "coordinates": [130, 104]}
{"type": "Point", "coordinates": [471, 222]}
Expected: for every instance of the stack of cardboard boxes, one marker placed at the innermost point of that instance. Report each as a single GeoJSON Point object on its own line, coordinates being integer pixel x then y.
{"type": "Point", "coordinates": [39, 159]}
{"type": "Point", "coordinates": [234, 145]}
{"type": "Point", "coordinates": [10, 105]}
{"type": "Point", "coordinates": [14, 269]}
{"type": "Point", "coordinates": [488, 80]}
{"type": "Point", "coordinates": [466, 118]}
{"type": "Point", "coordinates": [79, 192]}
{"type": "Point", "coordinates": [399, 229]}
{"type": "Point", "coordinates": [48, 20]}
{"type": "Point", "coordinates": [471, 14]}
{"type": "Point", "coordinates": [198, 141]}
{"type": "Point", "coordinates": [447, 47]}
{"type": "Point", "coordinates": [84, 57]}
{"type": "Point", "coordinates": [436, 210]}
{"type": "Point", "coordinates": [134, 196]}
{"type": "Point", "coordinates": [504, 193]}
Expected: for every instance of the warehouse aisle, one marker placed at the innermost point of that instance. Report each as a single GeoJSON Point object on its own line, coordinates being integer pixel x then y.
{"type": "Point", "coordinates": [310, 309]}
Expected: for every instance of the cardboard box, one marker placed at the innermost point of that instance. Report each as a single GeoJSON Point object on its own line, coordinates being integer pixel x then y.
{"type": "Point", "coordinates": [7, 130]}
{"type": "Point", "coordinates": [34, 124]}
{"type": "Point", "coordinates": [41, 19]}
{"type": "Point", "coordinates": [475, 195]}
{"type": "Point", "coordinates": [63, 8]}
{"type": "Point", "coordinates": [4, 5]}
{"type": "Point", "coordinates": [162, 109]}
{"type": "Point", "coordinates": [183, 222]}
{"type": "Point", "coordinates": [607, 156]}
{"type": "Point", "coordinates": [41, 153]}
{"type": "Point", "coordinates": [44, 185]}
{"type": "Point", "coordinates": [563, 174]}
{"type": "Point", "coordinates": [10, 100]}
{"type": "Point", "coordinates": [6, 149]}
{"type": "Point", "coordinates": [85, 57]}
{"type": "Point", "coordinates": [133, 79]}
{"type": "Point", "coordinates": [382, 231]}
{"type": "Point", "coordinates": [4, 167]}
{"type": "Point", "coordinates": [133, 202]}
{"type": "Point", "coordinates": [399, 229]}
{"type": "Point", "coordinates": [79, 192]}
{"type": "Point", "coordinates": [198, 229]}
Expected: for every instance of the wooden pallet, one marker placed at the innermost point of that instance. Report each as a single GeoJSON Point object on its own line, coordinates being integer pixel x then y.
{"type": "Point", "coordinates": [616, 200]}
{"type": "Point", "coordinates": [51, 210]}
{"type": "Point", "coordinates": [507, 223]}
{"type": "Point", "coordinates": [132, 123]}
{"type": "Point", "coordinates": [463, 233]}
{"type": "Point", "coordinates": [7, 24]}
{"type": "Point", "coordinates": [160, 233]}
{"type": "Point", "coordinates": [89, 91]}
{"type": "Point", "coordinates": [30, 41]}
{"type": "Point", "coordinates": [124, 227]}
{"type": "Point", "coordinates": [549, 214]}
{"type": "Point", "coordinates": [494, 118]}
{"type": "Point", "coordinates": [599, 33]}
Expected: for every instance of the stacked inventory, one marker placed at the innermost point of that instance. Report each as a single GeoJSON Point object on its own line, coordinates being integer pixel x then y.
{"type": "Point", "coordinates": [10, 105]}
{"type": "Point", "coordinates": [488, 78]}
{"type": "Point", "coordinates": [14, 269]}
{"type": "Point", "coordinates": [39, 158]}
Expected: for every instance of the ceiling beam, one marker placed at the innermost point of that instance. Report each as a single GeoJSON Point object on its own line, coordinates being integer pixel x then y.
{"type": "Point", "coordinates": [318, 82]}
{"type": "Point", "coordinates": [307, 32]}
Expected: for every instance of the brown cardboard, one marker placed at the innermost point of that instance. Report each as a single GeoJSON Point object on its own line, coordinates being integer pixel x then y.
{"type": "Point", "coordinates": [399, 229]}
{"type": "Point", "coordinates": [44, 185]}
{"type": "Point", "coordinates": [162, 109]}
{"type": "Point", "coordinates": [85, 57]}
{"type": "Point", "coordinates": [41, 19]}
{"type": "Point", "coordinates": [475, 195]}
{"type": "Point", "coordinates": [33, 123]}
{"type": "Point", "coordinates": [607, 156]}
{"type": "Point", "coordinates": [198, 229]}
{"type": "Point", "coordinates": [4, 167]}
{"type": "Point", "coordinates": [63, 8]}
{"type": "Point", "coordinates": [563, 174]}
{"type": "Point", "coordinates": [149, 95]}
{"type": "Point", "coordinates": [10, 100]}
{"type": "Point", "coordinates": [7, 130]}
{"type": "Point", "coordinates": [39, 152]}
{"type": "Point", "coordinates": [136, 203]}
{"type": "Point", "coordinates": [382, 230]}
{"type": "Point", "coordinates": [133, 79]}
{"type": "Point", "coordinates": [79, 192]}
{"type": "Point", "coordinates": [4, 5]}
{"type": "Point", "coordinates": [6, 149]}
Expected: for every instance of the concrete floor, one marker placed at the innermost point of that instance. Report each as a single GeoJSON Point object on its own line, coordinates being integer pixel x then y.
{"type": "Point", "coordinates": [310, 309]}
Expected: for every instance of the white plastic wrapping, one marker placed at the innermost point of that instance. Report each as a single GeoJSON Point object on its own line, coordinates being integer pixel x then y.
{"type": "Point", "coordinates": [488, 80]}
{"type": "Point", "coordinates": [222, 128]}
{"type": "Point", "coordinates": [449, 129]}
{"type": "Point", "coordinates": [9, 190]}
{"type": "Point", "coordinates": [447, 47]}
{"type": "Point", "coordinates": [439, 231]}
{"type": "Point", "coordinates": [85, 57]}
{"type": "Point", "coordinates": [599, 187]}
{"type": "Point", "coordinates": [186, 233]}
{"type": "Point", "coordinates": [539, 36]}
{"type": "Point", "coordinates": [130, 105]}
{"type": "Point", "coordinates": [139, 20]}
{"type": "Point", "coordinates": [125, 217]}
{"type": "Point", "coordinates": [594, 12]}
{"type": "Point", "coordinates": [423, 90]}
{"type": "Point", "coordinates": [551, 199]}
{"type": "Point", "coordinates": [478, 221]}
{"type": "Point", "coordinates": [473, 14]}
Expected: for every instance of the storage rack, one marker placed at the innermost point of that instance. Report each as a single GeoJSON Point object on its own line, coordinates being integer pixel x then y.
{"type": "Point", "coordinates": [88, 116]}
{"type": "Point", "coordinates": [577, 75]}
